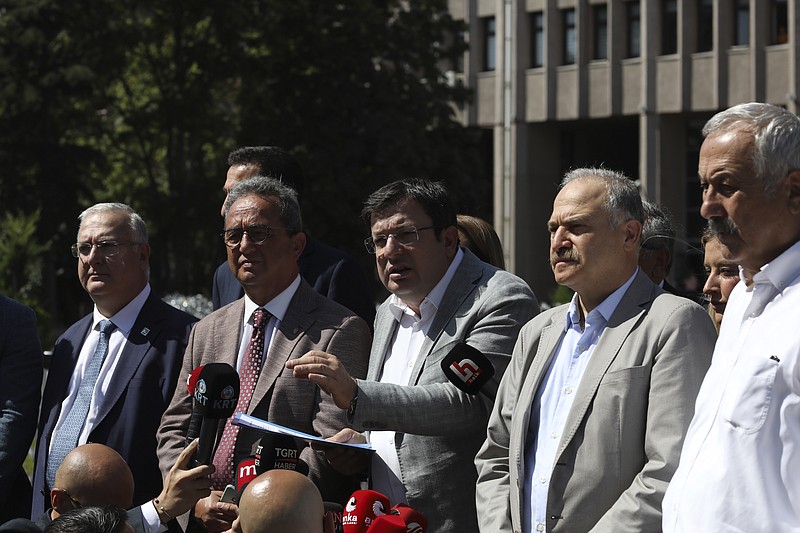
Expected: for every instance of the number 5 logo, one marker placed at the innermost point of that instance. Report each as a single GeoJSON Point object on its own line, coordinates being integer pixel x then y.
{"type": "Point", "coordinates": [466, 370]}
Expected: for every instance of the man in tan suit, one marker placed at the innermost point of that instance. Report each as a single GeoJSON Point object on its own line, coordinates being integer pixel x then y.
{"type": "Point", "coordinates": [280, 317]}
{"type": "Point", "coordinates": [589, 419]}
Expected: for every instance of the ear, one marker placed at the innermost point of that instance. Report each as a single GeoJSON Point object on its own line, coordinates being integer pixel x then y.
{"type": "Point", "coordinates": [449, 236]}
{"type": "Point", "coordinates": [57, 498]}
{"type": "Point", "coordinates": [632, 229]}
{"type": "Point", "coordinates": [793, 185]}
{"type": "Point", "coordinates": [144, 253]}
{"type": "Point", "coordinates": [298, 244]}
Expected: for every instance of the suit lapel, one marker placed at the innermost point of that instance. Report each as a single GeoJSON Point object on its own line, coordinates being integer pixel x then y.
{"type": "Point", "coordinates": [385, 326]}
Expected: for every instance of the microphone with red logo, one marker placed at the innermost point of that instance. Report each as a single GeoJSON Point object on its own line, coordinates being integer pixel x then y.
{"type": "Point", "coordinates": [414, 520]}
{"type": "Point", "coordinates": [388, 524]}
{"type": "Point", "coordinates": [333, 517]}
{"type": "Point", "coordinates": [469, 370]}
{"type": "Point", "coordinates": [363, 507]}
{"type": "Point", "coordinates": [278, 452]}
{"type": "Point", "coordinates": [216, 394]}
{"type": "Point", "coordinates": [194, 423]}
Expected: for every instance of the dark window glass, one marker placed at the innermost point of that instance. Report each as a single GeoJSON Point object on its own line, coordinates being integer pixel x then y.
{"type": "Point", "coordinates": [669, 27]}
{"type": "Point", "coordinates": [569, 36]}
{"type": "Point", "coordinates": [633, 15]}
{"type": "Point", "coordinates": [537, 39]}
{"type": "Point", "coordinates": [741, 30]}
{"type": "Point", "coordinates": [600, 16]}
{"type": "Point", "coordinates": [705, 26]}
{"type": "Point", "coordinates": [780, 22]}
{"type": "Point", "coordinates": [489, 44]}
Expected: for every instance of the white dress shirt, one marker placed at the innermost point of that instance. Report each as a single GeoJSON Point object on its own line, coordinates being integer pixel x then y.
{"type": "Point", "coordinates": [400, 358]}
{"type": "Point", "coordinates": [740, 464]}
{"type": "Point", "coordinates": [554, 399]}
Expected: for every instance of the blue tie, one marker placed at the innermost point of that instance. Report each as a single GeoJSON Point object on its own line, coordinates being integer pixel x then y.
{"type": "Point", "coordinates": [67, 437]}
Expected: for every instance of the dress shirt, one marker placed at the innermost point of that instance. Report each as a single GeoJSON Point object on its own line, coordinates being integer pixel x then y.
{"type": "Point", "coordinates": [124, 320]}
{"type": "Point", "coordinates": [740, 464]}
{"type": "Point", "coordinates": [554, 399]}
{"type": "Point", "coordinates": [400, 358]}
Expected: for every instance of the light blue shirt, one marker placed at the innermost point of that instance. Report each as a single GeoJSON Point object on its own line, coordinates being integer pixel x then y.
{"type": "Point", "coordinates": [554, 399]}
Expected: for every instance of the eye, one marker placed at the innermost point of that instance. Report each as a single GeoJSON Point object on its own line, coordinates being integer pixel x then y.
{"type": "Point", "coordinates": [729, 272]}
{"type": "Point", "coordinates": [379, 241]}
{"type": "Point", "coordinates": [105, 245]}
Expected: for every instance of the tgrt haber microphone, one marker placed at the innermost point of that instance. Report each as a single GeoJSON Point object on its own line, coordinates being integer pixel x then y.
{"type": "Point", "coordinates": [467, 368]}
{"type": "Point", "coordinates": [363, 507]}
{"type": "Point", "coordinates": [215, 397]}
{"type": "Point", "coordinates": [415, 521]}
{"type": "Point", "coordinates": [388, 524]}
{"type": "Point", "coordinates": [194, 423]}
{"type": "Point", "coordinates": [279, 452]}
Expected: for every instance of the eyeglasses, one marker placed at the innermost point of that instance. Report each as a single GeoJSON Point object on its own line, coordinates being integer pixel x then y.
{"type": "Point", "coordinates": [256, 234]}
{"type": "Point", "coordinates": [75, 503]}
{"type": "Point", "coordinates": [405, 237]}
{"type": "Point", "coordinates": [104, 248]}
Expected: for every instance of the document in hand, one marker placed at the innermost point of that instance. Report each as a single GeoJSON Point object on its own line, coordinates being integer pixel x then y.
{"type": "Point", "coordinates": [242, 419]}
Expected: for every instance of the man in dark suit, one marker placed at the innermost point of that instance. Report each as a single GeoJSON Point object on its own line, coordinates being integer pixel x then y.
{"type": "Point", "coordinates": [114, 371]}
{"type": "Point", "coordinates": [329, 271]}
{"type": "Point", "coordinates": [20, 392]}
{"type": "Point", "coordinates": [657, 251]}
{"type": "Point", "coordinates": [279, 318]}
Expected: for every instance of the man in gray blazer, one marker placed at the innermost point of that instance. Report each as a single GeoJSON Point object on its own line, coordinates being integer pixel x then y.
{"type": "Point", "coordinates": [425, 429]}
{"type": "Point", "coordinates": [263, 233]}
{"type": "Point", "coordinates": [590, 416]}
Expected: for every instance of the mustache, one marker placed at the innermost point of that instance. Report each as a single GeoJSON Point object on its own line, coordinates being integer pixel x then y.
{"type": "Point", "coordinates": [563, 254]}
{"type": "Point", "coordinates": [723, 226]}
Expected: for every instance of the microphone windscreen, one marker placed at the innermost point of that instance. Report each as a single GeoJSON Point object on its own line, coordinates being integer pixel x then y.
{"type": "Point", "coordinates": [467, 368]}
{"type": "Point", "coordinates": [363, 507]}
{"type": "Point", "coordinates": [196, 421]}
{"type": "Point", "coordinates": [246, 472]}
{"type": "Point", "coordinates": [191, 379]}
{"type": "Point", "coordinates": [216, 392]}
{"type": "Point", "coordinates": [415, 521]}
{"type": "Point", "coordinates": [388, 524]}
{"type": "Point", "coordinates": [333, 517]}
{"type": "Point", "coordinates": [279, 452]}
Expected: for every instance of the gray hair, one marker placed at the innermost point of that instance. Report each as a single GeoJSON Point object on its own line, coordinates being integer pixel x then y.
{"type": "Point", "coordinates": [135, 222]}
{"type": "Point", "coordinates": [623, 201]}
{"type": "Point", "coordinates": [270, 188]}
{"type": "Point", "coordinates": [776, 139]}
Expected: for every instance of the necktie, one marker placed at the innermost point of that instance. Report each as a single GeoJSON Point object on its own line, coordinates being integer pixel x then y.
{"type": "Point", "coordinates": [248, 377]}
{"type": "Point", "coordinates": [67, 437]}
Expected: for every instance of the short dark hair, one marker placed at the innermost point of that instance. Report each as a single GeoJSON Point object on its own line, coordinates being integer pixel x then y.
{"type": "Point", "coordinates": [431, 195]}
{"type": "Point", "coordinates": [270, 187]}
{"type": "Point", "coordinates": [272, 162]}
{"type": "Point", "coordinates": [89, 520]}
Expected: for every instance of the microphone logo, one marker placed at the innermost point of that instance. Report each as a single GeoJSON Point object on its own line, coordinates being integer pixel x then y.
{"type": "Point", "coordinates": [466, 370]}
{"type": "Point", "coordinates": [201, 386]}
{"type": "Point", "coordinates": [247, 470]}
{"type": "Point", "coordinates": [227, 393]}
{"type": "Point", "coordinates": [377, 508]}
{"type": "Point", "coordinates": [414, 527]}
{"type": "Point", "coordinates": [351, 505]}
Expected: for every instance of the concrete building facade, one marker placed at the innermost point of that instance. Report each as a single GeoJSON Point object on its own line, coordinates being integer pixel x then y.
{"type": "Point", "coordinates": [626, 84]}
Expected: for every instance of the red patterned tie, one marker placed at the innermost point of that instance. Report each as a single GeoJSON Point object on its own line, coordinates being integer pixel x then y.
{"type": "Point", "coordinates": [248, 376]}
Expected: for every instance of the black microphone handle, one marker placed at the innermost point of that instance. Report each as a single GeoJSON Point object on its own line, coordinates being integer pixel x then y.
{"type": "Point", "coordinates": [208, 442]}
{"type": "Point", "coordinates": [194, 428]}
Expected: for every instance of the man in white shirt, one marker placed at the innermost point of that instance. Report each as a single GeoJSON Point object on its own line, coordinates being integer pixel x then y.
{"type": "Point", "coordinates": [740, 465]}
{"type": "Point", "coordinates": [589, 418]}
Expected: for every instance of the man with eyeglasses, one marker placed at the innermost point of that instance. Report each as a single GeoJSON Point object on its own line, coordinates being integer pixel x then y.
{"type": "Point", "coordinates": [114, 371]}
{"type": "Point", "coordinates": [425, 429]}
{"type": "Point", "coordinates": [279, 318]}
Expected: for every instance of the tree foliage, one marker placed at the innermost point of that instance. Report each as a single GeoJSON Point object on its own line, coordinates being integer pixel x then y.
{"type": "Point", "coordinates": [141, 101]}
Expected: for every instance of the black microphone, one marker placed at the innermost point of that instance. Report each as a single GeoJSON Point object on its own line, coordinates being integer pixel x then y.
{"type": "Point", "coordinates": [279, 452]}
{"type": "Point", "coordinates": [467, 368]}
{"type": "Point", "coordinates": [194, 424]}
{"type": "Point", "coordinates": [333, 517]}
{"type": "Point", "coordinates": [215, 397]}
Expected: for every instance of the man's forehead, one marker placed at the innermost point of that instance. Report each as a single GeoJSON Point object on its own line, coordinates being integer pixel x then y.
{"type": "Point", "coordinates": [108, 222]}
{"type": "Point", "coordinates": [405, 212]}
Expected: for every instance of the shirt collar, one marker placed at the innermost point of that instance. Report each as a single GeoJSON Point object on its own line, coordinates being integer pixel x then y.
{"type": "Point", "coordinates": [278, 306]}
{"type": "Point", "coordinates": [602, 311]}
{"type": "Point", "coordinates": [779, 272]}
{"type": "Point", "coordinates": [430, 304]}
{"type": "Point", "coordinates": [125, 318]}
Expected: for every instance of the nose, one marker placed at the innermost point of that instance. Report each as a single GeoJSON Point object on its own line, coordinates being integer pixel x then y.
{"type": "Point", "coordinates": [246, 242]}
{"type": "Point", "coordinates": [559, 239]}
{"type": "Point", "coordinates": [711, 207]}
{"type": "Point", "coordinates": [392, 247]}
{"type": "Point", "coordinates": [711, 286]}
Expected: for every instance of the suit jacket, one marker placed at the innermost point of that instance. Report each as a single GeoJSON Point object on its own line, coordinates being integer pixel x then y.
{"type": "Point", "coordinates": [331, 272]}
{"type": "Point", "coordinates": [623, 435]}
{"type": "Point", "coordinates": [312, 322]}
{"type": "Point", "coordinates": [20, 392]}
{"type": "Point", "coordinates": [140, 389]}
{"type": "Point", "coordinates": [439, 427]}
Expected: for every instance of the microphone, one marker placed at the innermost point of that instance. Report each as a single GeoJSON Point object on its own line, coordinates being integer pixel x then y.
{"type": "Point", "coordinates": [194, 424]}
{"type": "Point", "coordinates": [333, 517]}
{"type": "Point", "coordinates": [246, 471]}
{"type": "Point", "coordinates": [278, 452]}
{"type": "Point", "coordinates": [467, 368]}
{"type": "Point", "coordinates": [363, 507]}
{"type": "Point", "coordinates": [216, 394]}
{"type": "Point", "coordinates": [391, 523]}
{"type": "Point", "coordinates": [414, 520]}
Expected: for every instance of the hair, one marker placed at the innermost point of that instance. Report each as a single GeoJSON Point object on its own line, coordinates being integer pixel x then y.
{"type": "Point", "coordinates": [707, 236]}
{"type": "Point", "coordinates": [267, 187]}
{"type": "Point", "coordinates": [623, 201]}
{"type": "Point", "coordinates": [137, 225]}
{"type": "Point", "coordinates": [658, 231]}
{"type": "Point", "coordinates": [272, 162]}
{"type": "Point", "coordinates": [481, 239]}
{"type": "Point", "coordinates": [776, 139]}
{"type": "Point", "coordinates": [89, 520]}
{"type": "Point", "coordinates": [431, 195]}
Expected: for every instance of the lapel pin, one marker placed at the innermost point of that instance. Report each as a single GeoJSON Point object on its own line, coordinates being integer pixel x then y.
{"type": "Point", "coordinates": [145, 331]}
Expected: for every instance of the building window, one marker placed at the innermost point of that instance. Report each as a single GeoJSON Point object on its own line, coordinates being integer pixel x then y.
{"type": "Point", "coordinates": [669, 27]}
{"type": "Point", "coordinates": [600, 26]}
{"type": "Point", "coordinates": [741, 30]}
{"type": "Point", "coordinates": [705, 26]}
{"type": "Point", "coordinates": [780, 22]}
{"type": "Point", "coordinates": [568, 20]}
{"type": "Point", "coordinates": [489, 44]}
{"type": "Point", "coordinates": [633, 18]}
{"type": "Point", "coordinates": [537, 39]}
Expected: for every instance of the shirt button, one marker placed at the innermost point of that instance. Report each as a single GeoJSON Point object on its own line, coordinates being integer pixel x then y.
{"type": "Point", "coordinates": [539, 527]}
{"type": "Point", "coordinates": [554, 435]}
{"type": "Point", "coordinates": [542, 480]}
{"type": "Point", "coordinates": [568, 390]}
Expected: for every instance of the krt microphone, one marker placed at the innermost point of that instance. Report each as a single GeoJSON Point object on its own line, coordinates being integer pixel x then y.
{"type": "Point", "coordinates": [215, 397]}
{"type": "Point", "coordinates": [415, 521]}
{"type": "Point", "coordinates": [333, 517]}
{"type": "Point", "coordinates": [363, 507]}
{"type": "Point", "coordinates": [467, 368]}
{"type": "Point", "coordinates": [279, 452]}
{"type": "Point", "coordinates": [194, 424]}
{"type": "Point", "coordinates": [388, 524]}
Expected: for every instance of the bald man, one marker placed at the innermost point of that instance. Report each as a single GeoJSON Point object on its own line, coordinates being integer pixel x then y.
{"type": "Point", "coordinates": [280, 500]}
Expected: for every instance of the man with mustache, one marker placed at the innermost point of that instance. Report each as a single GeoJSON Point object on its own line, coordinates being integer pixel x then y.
{"type": "Point", "coordinates": [589, 418]}
{"type": "Point", "coordinates": [740, 462]}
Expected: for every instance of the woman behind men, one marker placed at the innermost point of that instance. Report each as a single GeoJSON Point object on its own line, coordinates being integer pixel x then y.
{"type": "Point", "coordinates": [480, 238]}
{"type": "Point", "coordinates": [722, 276]}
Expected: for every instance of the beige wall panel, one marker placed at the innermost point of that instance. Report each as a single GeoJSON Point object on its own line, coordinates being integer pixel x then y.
{"type": "Point", "coordinates": [457, 8]}
{"type": "Point", "coordinates": [487, 8]}
{"type": "Point", "coordinates": [739, 78]}
{"type": "Point", "coordinates": [535, 96]}
{"type": "Point", "coordinates": [668, 85]}
{"type": "Point", "coordinates": [567, 93]}
{"type": "Point", "coordinates": [702, 72]}
{"type": "Point", "coordinates": [534, 5]}
{"type": "Point", "coordinates": [631, 88]}
{"type": "Point", "coordinates": [484, 99]}
{"type": "Point", "coordinates": [599, 89]}
{"type": "Point", "coordinates": [777, 70]}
